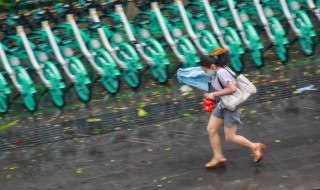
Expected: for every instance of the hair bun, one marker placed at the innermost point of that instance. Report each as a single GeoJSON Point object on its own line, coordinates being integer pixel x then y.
{"type": "Point", "coordinates": [218, 51]}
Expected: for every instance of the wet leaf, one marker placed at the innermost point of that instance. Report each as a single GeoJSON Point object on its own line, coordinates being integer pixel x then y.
{"type": "Point", "coordinates": [8, 125]}
{"type": "Point", "coordinates": [167, 149]}
{"type": "Point", "coordinates": [12, 168]}
{"type": "Point", "coordinates": [187, 115]}
{"type": "Point", "coordinates": [93, 120]}
{"type": "Point", "coordinates": [277, 141]}
{"type": "Point", "coordinates": [124, 108]}
{"type": "Point", "coordinates": [142, 112]}
{"type": "Point", "coordinates": [163, 178]}
{"type": "Point", "coordinates": [79, 171]}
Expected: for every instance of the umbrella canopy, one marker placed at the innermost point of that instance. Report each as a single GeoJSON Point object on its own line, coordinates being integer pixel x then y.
{"type": "Point", "coordinates": [195, 77]}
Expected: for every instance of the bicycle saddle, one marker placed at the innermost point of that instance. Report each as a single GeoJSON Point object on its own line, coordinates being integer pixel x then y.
{"type": "Point", "coordinates": [143, 5]}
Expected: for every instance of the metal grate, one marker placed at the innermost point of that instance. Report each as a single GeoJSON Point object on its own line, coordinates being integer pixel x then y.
{"type": "Point", "coordinates": [170, 110]}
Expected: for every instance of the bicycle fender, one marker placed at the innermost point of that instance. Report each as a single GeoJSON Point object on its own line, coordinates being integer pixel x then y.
{"type": "Point", "coordinates": [212, 40]}
{"type": "Point", "coordinates": [155, 43]}
{"type": "Point", "coordinates": [253, 34]}
{"type": "Point", "coordinates": [49, 65]}
{"type": "Point", "coordinates": [251, 31]}
{"type": "Point", "coordinates": [107, 57]}
{"type": "Point", "coordinates": [3, 85]}
{"type": "Point", "coordinates": [305, 18]}
{"type": "Point", "coordinates": [278, 29]}
{"type": "Point", "coordinates": [80, 66]}
{"type": "Point", "coordinates": [24, 75]}
{"type": "Point", "coordinates": [133, 53]}
{"type": "Point", "coordinates": [185, 40]}
{"type": "Point", "coordinates": [233, 34]}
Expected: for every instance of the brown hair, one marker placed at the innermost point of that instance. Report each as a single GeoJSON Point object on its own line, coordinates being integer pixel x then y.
{"type": "Point", "coordinates": [220, 61]}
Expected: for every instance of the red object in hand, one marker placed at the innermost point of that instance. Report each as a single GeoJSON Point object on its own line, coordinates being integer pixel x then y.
{"type": "Point", "coordinates": [208, 105]}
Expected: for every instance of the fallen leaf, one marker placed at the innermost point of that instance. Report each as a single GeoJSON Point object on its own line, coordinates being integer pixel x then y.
{"type": "Point", "coordinates": [142, 112]}
{"type": "Point", "coordinates": [79, 171]}
{"type": "Point", "coordinates": [93, 120]}
{"type": "Point", "coordinates": [8, 125]}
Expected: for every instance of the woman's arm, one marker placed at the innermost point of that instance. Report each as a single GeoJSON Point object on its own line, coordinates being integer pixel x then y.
{"type": "Point", "coordinates": [229, 89]}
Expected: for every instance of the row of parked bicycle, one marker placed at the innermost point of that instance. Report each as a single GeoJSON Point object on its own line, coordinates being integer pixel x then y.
{"type": "Point", "coordinates": [73, 38]}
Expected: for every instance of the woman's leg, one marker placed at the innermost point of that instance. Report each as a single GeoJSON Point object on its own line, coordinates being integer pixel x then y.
{"type": "Point", "coordinates": [231, 136]}
{"type": "Point", "coordinates": [212, 129]}
{"type": "Point", "coordinates": [256, 148]}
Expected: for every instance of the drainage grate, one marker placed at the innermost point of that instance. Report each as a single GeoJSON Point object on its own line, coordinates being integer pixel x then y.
{"type": "Point", "coordinates": [170, 110]}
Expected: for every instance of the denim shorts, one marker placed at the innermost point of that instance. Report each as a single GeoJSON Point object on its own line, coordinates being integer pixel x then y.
{"type": "Point", "coordinates": [231, 118]}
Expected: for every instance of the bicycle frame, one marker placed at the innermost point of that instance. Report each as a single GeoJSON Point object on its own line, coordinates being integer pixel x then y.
{"type": "Point", "coordinates": [274, 29]}
{"type": "Point", "coordinates": [301, 25]}
{"type": "Point", "coordinates": [4, 91]}
{"type": "Point", "coordinates": [227, 36]}
{"type": "Point", "coordinates": [181, 45]}
{"type": "Point", "coordinates": [125, 52]}
{"type": "Point", "coordinates": [100, 59]}
{"type": "Point", "coordinates": [72, 65]}
{"type": "Point", "coordinates": [47, 71]}
{"type": "Point", "coordinates": [149, 49]}
{"type": "Point", "coordinates": [208, 41]}
{"type": "Point", "coordinates": [19, 76]}
{"type": "Point", "coordinates": [312, 6]}
{"type": "Point", "coordinates": [248, 33]}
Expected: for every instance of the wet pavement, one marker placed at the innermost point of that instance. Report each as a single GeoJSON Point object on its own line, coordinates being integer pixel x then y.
{"type": "Point", "coordinates": [170, 154]}
{"type": "Point", "coordinates": [155, 137]}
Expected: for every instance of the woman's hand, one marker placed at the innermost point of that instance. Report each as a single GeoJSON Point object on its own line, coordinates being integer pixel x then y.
{"type": "Point", "coordinates": [211, 96]}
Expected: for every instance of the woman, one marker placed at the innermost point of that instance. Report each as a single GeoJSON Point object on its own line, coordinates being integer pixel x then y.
{"type": "Point", "coordinates": [223, 81]}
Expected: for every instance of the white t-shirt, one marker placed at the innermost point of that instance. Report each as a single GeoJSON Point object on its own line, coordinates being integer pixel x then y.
{"type": "Point", "coordinates": [224, 77]}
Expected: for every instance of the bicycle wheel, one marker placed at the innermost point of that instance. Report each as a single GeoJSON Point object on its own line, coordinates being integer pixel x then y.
{"type": "Point", "coordinates": [133, 78]}
{"type": "Point", "coordinates": [4, 103]}
{"type": "Point", "coordinates": [307, 45]}
{"type": "Point", "coordinates": [282, 52]}
{"type": "Point", "coordinates": [257, 57]}
{"type": "Point", "coordinates": [57, 96]}
{"type": "Point", "coordinates": [83, 91]}
{"type": "Point", "coordinates": [50, 72]}
{"type": "Point", "coordinates": [236, 62]}
{"type": "Point", "coordinates": [81, 75]}
{"type": "Point", "coordinates": [111, 83]}
{"type": "Point", "coordinates": [29, 102]}
{"type": "Point", "coordinates": [160, 73]}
